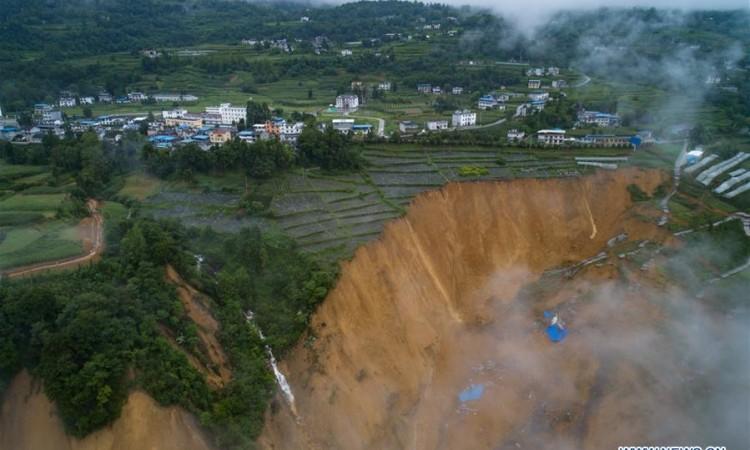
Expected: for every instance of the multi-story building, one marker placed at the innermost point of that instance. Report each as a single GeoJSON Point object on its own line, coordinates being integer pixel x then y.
{"type": "Point", "coordinates": [347, 102]}
{"type": "Point", "coordinates": [229, 114]}
{"type": "Point", "coordinates": [464, 118]}
{"type": "Point", "coordinates": [600, 119]}
{"type": "Point", "coordinates": [535, 84]}
{"type": "Point", "coordinates": [342, 125]}
{"type": "Point", "coordinates": [220, 135]}
{"type": "Point", "coordinates": [553, 136]}
{"type": "Point", "coordinates": [487, 102]}
{"type": "Point", "coordinates": [187, 119]}
{"type": "Point", "coordinates": [436, 125]}
{"type": "Point", "coordinates": [66, 102]}
{"type": "Point", "coordinates": [424, 88]}
{"type": "Point", "coordinates": [173, 114]}
{"type": "Point", "coordinates": [515, 135]}
{"type": "Point", "coordinates": [457, 90]}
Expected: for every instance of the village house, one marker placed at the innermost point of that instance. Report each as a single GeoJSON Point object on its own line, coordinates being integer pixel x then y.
{"type": "Point", "coordinates": [86, 100]}
{"type": "Point", "coordinates": [437, 125]}
{"type": "Point", "coordinates": [173, 114]}
{"type": "Point", "coordinates": [538, 96]}
{"type": "Point", "coordinates": [606, 140]}
{"type": "Point", "coordinates": [66, 102]}
{"type": "Point", "coordinates": [437, 90]}
{"type": "Point", "coordinates": [535, 84]}
{"type": "Point", "coordinates": [463, 118]}
{"type": "Point", "coordinates": [457, 90]}
{"type": "Point", "coordinates": [600, 119]}
{"type": "Point", "coordinates": [424, 88]}
{"type": "Point", "coordinates": [347, 102]}
{"type": "Point", "coordinates": [105, 97]}
{"type": "Point", "coordinates": [385, 86]}
{"type": "Point", "coordinates": [229, 114]}
{"type": "Point", "coordinates": [289, 132]}
{"type": "Point", "coordinates": [246, 136]}
{"type": "Point", "coordinates": [559, 84]}
{"type": "Point", "coordinates": [346, 52]}
{"type": "Point", "coordinates": [211, 119]}
{"type": "Point", "coordinates": [553, 71]}
{"type": "Point", "coordinates": [523, 110]}
{"type": "Point", "coordinates": [137, 96]}
{"type": "Point", "coordinates": [554, 136]}
{"type": "Point", "coordinates": [408, 126]}
{"type": "Point", "coordinates": [220, 135]}
{"type": "Point", "coordinates": [356, 85]}
{"type": "Point", "coordinates": [304, 19]}
{"type": "Point", "coordinates": [342, 125]}
{"type": "Point", "coordinates": [515, 135]}
{"type": "Point", "coordinates": [536, 71]}
{"type": "Point", "coordinates": [361, 128]}
{"type": "Point", "coordinates": [487, 102]}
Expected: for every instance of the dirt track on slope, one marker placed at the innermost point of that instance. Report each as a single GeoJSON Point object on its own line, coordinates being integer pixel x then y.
{"type": "Point", "coordinates": [91, 231]}
{"type": "Point", "coordinates": [453, 295]}
{"type": "Point", "coordinates": [216, 369]}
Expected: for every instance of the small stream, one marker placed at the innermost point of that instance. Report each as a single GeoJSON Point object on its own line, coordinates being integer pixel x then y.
{"type": "Point", "coordinates": [286, 389]}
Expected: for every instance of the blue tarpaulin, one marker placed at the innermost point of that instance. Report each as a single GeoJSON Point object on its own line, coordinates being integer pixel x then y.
{"type": "Point", "coordinates": [473, 392]}
{"type": "Point", "coordinates": [556, 333]}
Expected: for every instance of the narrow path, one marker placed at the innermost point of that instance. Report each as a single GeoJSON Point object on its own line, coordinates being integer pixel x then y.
{"type": "Point", "coordinates": [479, 127]}
{"type": "Point", "coordinates": [586, 80]}
{"type": "Point", "coordinates": [96, 249]}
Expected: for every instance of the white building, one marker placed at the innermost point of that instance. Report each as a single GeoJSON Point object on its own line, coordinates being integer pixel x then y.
{"type": "Point", "coordinates": [384, 86]}
{"type": "Point", "coordinates": [554, 136]}
{"type": "Point", "coordinates": [66, 102]}
{"type": "Point", "coordinates": [437, 90]}
{"type": "Point", "coordinates": [559, 84]}
{"type": "Point", "coordinates": [464, 118]}
{"type": "Point", "coordinates": [553, 71]}
{"type": "Point", "coordinates": [289, 132]}
{"type": "Point", "coordinates": [515, 135]}
{"type": "Point", "coordinates": [457, 90]}
{"type": "Point", "coordinates": [538, 96]}
{"type": "Point", "coordinates": [342, 125]}
{"type": "Point", "coordinates": [346, 52]}
{"type": "Point", "coordinates": [347, 102]}
{"type": "Point", "coordinates": [229, 114]}
{"type": "Point", "coordinates": [86, 100]}
{"type": "Point", "coordinates": [436, 125]}
{"type": "Point", "coordinates": [173, 114]}
{"type": "Point", "coordinates": [535, 84]}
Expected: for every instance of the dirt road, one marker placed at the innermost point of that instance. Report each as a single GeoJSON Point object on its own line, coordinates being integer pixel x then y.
{"type": "Point", "coordinates": [92, 229]}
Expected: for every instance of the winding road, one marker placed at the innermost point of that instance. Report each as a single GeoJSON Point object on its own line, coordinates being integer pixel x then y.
{"type": "Point", "coordinates": [97, 224]}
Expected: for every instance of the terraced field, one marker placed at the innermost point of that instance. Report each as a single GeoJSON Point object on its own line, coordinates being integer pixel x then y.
{"type": "Point", "coordinates": [332, 214]}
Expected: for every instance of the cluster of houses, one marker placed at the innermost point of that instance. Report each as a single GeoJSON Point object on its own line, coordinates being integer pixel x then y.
{"type": "Point", "coordinates": [459, 119]}
{"type": "Point", "coordinates": [70, 100]}
{"type": "Point", "coordinates": [558, 137]}
{"type": "Point", "coordinates": [427, 88]}
{"type": "Point", "coordinates": [217, 125]}
{"type": "Point", "coordinates": [551, 71]}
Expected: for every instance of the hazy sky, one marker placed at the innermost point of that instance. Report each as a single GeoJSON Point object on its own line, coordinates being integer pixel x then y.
{"type": "Point", "coordinates": [530, 14]}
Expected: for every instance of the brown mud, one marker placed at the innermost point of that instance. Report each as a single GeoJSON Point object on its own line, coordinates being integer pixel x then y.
{"type": "Point", "coordinates": [452, 295]}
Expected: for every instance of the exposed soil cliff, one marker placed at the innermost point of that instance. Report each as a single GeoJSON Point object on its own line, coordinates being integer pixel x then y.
{"type": "Point", "coordinates": [451, 296]}
{"type": "Point", "coordinates": [28, 421]}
